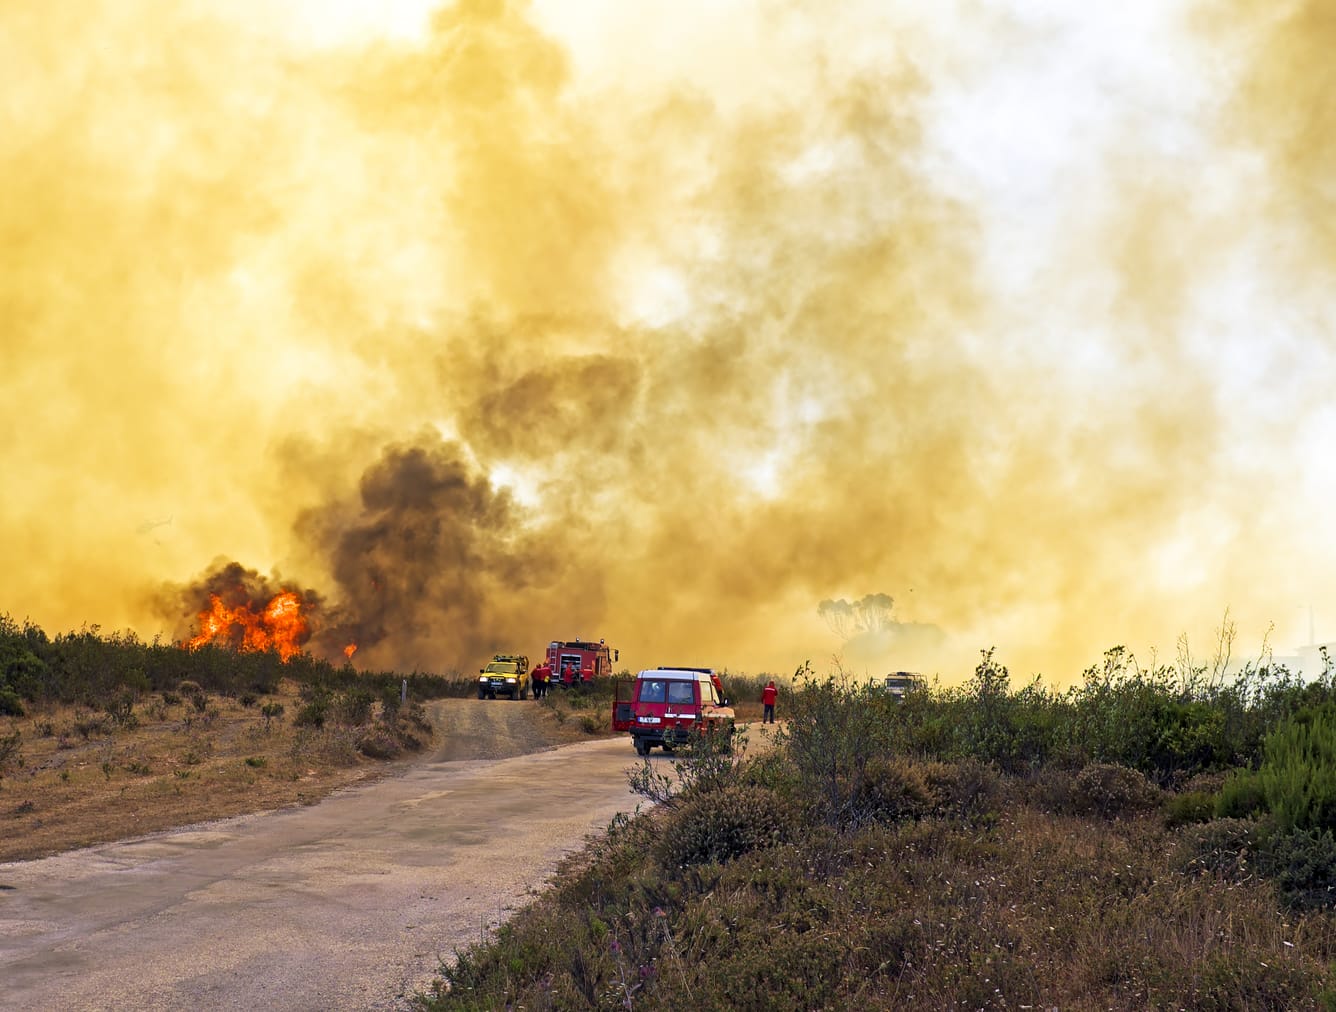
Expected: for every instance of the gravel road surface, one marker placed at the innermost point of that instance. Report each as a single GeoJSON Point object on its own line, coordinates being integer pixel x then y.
{"type": "Point", "coordinates": [348, 904]}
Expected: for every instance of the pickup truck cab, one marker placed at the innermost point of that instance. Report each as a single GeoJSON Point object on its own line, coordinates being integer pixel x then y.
{"type": "Point", "coordinates": [666, 705]}
{"type": "Point", "coordinates": [506, 675]}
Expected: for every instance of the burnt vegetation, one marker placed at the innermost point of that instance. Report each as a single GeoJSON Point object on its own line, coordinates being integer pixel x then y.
{"type": "Point", "coordinates": [1145, 839]}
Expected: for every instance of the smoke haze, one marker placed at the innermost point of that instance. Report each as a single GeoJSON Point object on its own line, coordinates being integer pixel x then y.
{"type": "Point", "coordinates": [671, 328]}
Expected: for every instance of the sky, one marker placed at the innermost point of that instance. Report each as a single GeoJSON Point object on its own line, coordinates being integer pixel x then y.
{"type": "Point", "coordinates": [703, 328]}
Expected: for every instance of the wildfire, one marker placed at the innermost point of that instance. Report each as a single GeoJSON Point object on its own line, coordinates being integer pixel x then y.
{"type": "Point", "coordinates": [349, 650]}
{"type": "Point", "coordinates": [279, 626]}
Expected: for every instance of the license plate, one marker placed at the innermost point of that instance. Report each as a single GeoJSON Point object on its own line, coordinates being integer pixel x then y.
{"type": "Point", "coordinates": [648, 720]}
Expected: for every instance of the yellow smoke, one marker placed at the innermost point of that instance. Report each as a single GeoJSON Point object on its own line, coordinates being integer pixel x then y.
{"type": "Point", "coordinates": [720, 358]}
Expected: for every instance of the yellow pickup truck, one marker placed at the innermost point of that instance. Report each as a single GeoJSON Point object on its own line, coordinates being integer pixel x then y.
{"type": "Point", "coordinates": [504, 675]}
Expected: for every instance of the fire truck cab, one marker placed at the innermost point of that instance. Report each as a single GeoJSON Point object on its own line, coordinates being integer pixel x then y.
{"type": "Point", "coordinates": [666, 705]}
{"type": "Point", "coordinates": [579, 662]}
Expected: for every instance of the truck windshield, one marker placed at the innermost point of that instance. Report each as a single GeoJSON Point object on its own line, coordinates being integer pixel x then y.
{"type": "Point", "coordinates": [681, 692]}
{"type": "Point", "coordinates": [652, 691]}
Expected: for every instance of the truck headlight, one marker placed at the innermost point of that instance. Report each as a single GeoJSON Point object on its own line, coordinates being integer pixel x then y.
{"type": "Point", "coordinates": [511, 681]}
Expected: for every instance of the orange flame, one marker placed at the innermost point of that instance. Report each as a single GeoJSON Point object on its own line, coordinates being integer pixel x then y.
{"type": "Point", "coordinates": [349, 650]}
{"type": "Point", "coordinates": [281, 626]}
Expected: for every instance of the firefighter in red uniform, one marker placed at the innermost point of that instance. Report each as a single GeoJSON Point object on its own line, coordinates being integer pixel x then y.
{"type": "Point", "coordinates": [540, 677]}
{"type": "Point", "coordinates": [768, 696]}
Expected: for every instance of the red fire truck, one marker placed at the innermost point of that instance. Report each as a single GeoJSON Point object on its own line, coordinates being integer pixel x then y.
{"type": "Point", "coordinates": [579, 662]}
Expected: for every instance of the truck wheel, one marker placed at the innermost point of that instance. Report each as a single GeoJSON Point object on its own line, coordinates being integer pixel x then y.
{"type": "Point", "coordinates": [482, 694]}
{"type": "Point", "coordinates": [642, 747]}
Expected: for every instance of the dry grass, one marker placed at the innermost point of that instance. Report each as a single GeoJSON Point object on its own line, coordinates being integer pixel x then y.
{"type": "Point", "coordinates": [82, 779]}
{"type": "Point", "coordinates": [1023, 909]}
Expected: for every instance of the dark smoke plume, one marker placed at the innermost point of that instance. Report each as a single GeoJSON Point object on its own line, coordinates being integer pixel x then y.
{"type": "Point", "coordinates": [433, 564]}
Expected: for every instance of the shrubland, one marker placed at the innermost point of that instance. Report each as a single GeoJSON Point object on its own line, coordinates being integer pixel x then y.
{"type": "Point", "coordinates": [1145, 839]}
{"type": "Point", "coordinates": [104, 736]}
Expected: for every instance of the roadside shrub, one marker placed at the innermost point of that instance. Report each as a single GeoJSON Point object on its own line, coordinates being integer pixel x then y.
{"type": "Point", "coordinates": [271, 711]}
{"type": "Point", "coordinates": [1227, 848]}
{"type": "Point", "coordinates": [248, 699]}
{"type": "Point", "coordinates": [11, 704]}
{"type": "Point", "coordinates": [1303, 864]}
{"type": "Point", "coordinates": [121, 709]}
{"type": "Point", "coordinates": [9, 749]}
{"type": "Point", "coordinates": [832, 732]}
{"type": "Point", "coordinates": [378, 744]}
{"type": "Point", "coordinates": [21, 671]}
{"type": "Point", "coordinates": [892, 789]}
{"type": "Point", "coordinates": [1187, 808]}
{"type": "Point", "coordinates": [312, 714]}
{"type": "Point", "coordinates": [1298, 773]}
{"type": "Point", "coordinates": [315, 711]}
{"type": "Point", "coordinates": [170, 699]}
{"type": "Point", "coordinates": [417, 716]}
{"type": "Point", "coordinates": [1110, 790]}
{"type": "Point", "coordinates": [968, 790]}
{"type": "Point", "coordinates": [722, 825]}
{"type": "Point", "coordinates": [1050, 789]}
{"type": "Point", "coordinates": [389, 702]}
{"type": "Point", "coordinates": [352, 706]}
{"type": "Point", "coordinates": [1241, 796]}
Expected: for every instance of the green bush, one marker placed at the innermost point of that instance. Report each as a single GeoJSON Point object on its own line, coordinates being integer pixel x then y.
{"type": "Point", "coordinates": [352, 706]}
{"type": "Point", "coordinates": [1188, 807]}
{"type": "Point", "coordinates": [832, 732]}
{"type": "Point", "coordinates": [121, 709]}
{"type": "Point", "coordinates": [1110, 790]}
{"type": "Point", "coordinates": [312, 714]}
{"type": "Point", "coordinates": [1298, 773]}
{"type": "Point", "coordinates": [722, 825]}
{"type": "Point", "coordinates": [1050, 789]}
{"type": "Point", "coordinates": [1303, 864]}
{"type": "Point", "coordinates": [270, 712]}
{"type": "Point", "coordinates": [11, 704]}
{"type": "Point", "coordinates": [891, 789]}
{"type": "Point", "coordinates": [968, 790]}
{"type": "Point", "coordinates": [9, 749]}
{"type": "Point", "coordinates": [316, 708]}
{"type": "Point", "coordinates": [390, 695]}
{"type": "Point", "coordinates": [1241, 796]}
{"type": "Point", "coordinates": [1226, 848]}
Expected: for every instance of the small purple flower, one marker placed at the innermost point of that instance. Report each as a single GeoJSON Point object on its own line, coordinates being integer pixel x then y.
{"type": "Point", "coordinates": [615, 947]}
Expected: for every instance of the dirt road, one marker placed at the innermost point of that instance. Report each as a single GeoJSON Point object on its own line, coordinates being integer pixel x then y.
{"type": "Point", "coordinates": [348, 904]}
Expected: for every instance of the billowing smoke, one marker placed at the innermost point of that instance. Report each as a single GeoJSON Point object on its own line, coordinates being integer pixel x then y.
{"type": "Point", "coordinates": [508, 332]}
{"type": "Point", "coordinates": [434, 566]}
